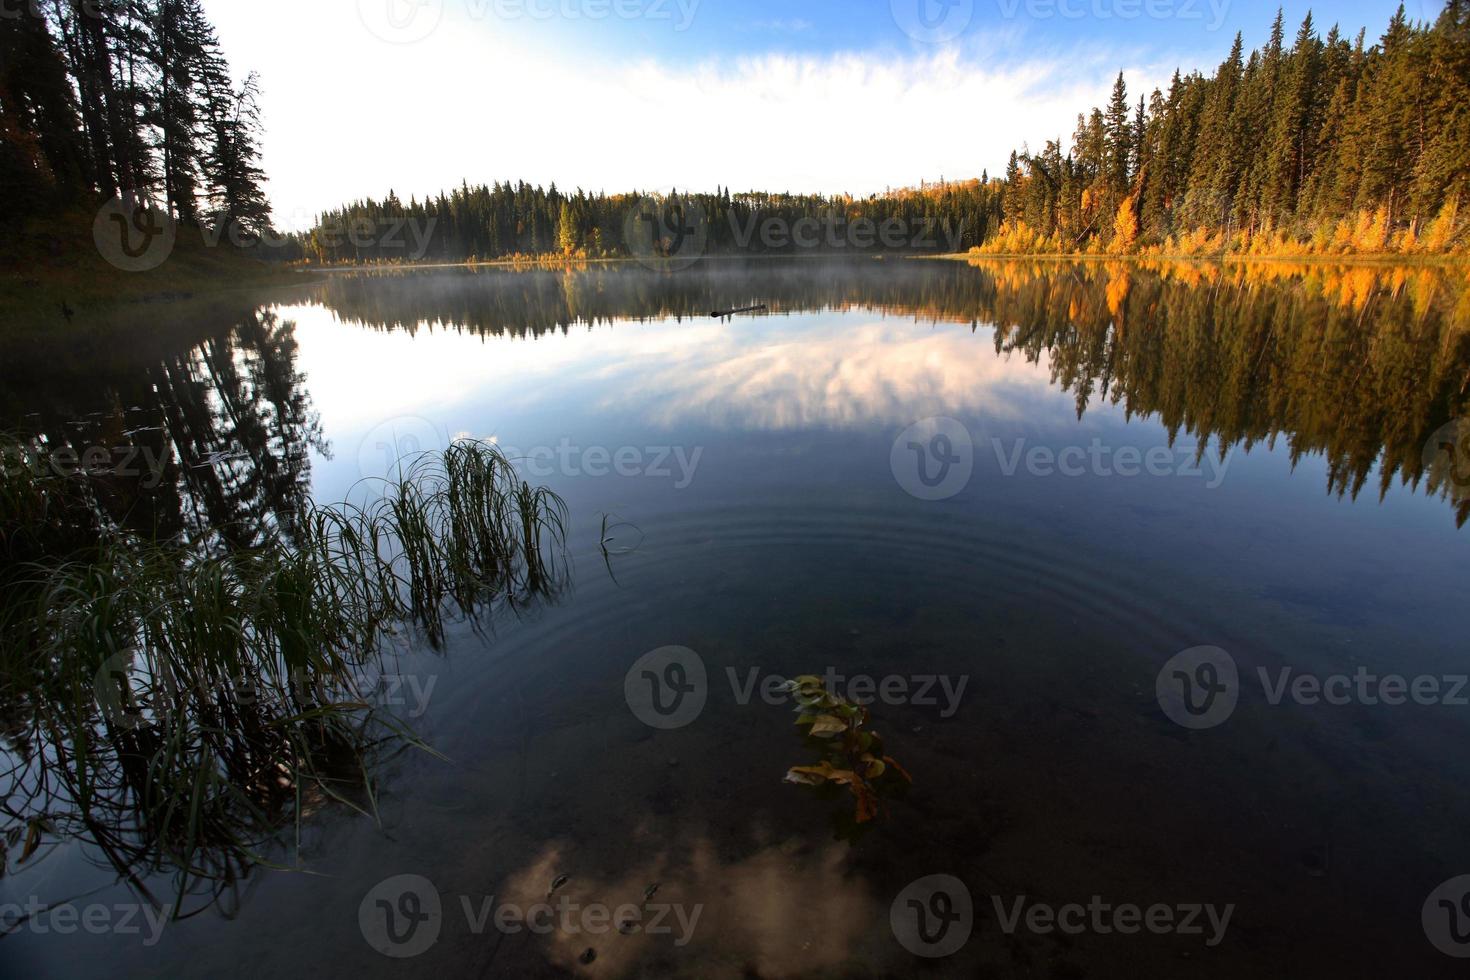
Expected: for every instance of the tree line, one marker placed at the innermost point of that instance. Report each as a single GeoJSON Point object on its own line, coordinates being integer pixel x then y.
{"type": "Point", "coordinates": [507, 220]}
{"type": "Point", "coordinates": [1324, 145]}
{"type": "Point", "coordinates": [130, 99]}
{"type": "Point", "coordinates": [1327, 145]}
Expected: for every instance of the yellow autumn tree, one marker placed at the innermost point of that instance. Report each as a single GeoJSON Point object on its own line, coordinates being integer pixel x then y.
{"type": "Point", "coordinates": [1125, 227]}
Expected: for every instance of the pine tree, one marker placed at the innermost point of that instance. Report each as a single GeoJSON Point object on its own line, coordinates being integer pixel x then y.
{"type": "Point", "coordinates": [42, 158]}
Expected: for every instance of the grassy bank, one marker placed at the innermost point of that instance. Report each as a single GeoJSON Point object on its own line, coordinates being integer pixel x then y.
{"type": "Point", "coordinates": [53, 275]}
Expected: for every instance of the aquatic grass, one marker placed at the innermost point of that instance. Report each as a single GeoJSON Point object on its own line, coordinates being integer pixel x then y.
{"type": "Point", "coordinates": [179, 702]}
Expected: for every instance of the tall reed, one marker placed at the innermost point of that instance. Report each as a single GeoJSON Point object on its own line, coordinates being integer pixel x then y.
{"type": "Point", "coordinates": [179, 702]}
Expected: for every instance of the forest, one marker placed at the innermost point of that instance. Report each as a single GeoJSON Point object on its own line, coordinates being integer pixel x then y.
{"type": "Point", "coordinates": [130, 98]}
{"type": "Point", "coordinates": [1324, 145]}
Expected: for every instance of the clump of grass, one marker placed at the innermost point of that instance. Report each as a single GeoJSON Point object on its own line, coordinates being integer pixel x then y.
{"type": "Point", "coordinates": [179, 702]}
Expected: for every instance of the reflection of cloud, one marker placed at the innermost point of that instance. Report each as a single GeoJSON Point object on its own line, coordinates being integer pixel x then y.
{"type": "Point", "coordinates": [847, 376]}
{"type": "Point", "coordinates": [782, 911]}
{"type": "Point", "coordinates": [807, 370]}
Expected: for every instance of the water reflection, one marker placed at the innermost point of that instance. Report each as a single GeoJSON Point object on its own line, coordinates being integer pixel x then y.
{"type": "Point", "coordinates": [1359, 364]}
{"type": "Point", "coordinates": [213, 436]}
{"type": "Point", "coordinates": [793, 550]}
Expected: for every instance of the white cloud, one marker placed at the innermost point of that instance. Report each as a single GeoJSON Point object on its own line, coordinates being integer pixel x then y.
{"type": "Point", "coordinates": [349, 115]}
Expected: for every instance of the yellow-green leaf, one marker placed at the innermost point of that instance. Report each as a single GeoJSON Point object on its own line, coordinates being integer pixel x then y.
{"type": "Point", "coordinates": [828, 725]}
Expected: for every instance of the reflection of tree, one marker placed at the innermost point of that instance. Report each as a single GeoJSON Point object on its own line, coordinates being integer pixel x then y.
{"type": "Point", "coordinates": [238, 417]}
{"type": "Point", "coordinates": [1359, 363]}
{"type": "Point", "coordinates": [529, 303]}
{"type": "Point", "coordinates": [213, 437]}
{"type": "Point", "coordinates": [204, 443]}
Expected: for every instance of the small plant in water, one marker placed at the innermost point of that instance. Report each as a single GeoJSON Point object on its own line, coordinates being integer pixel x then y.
{"type": "Point", "coordinates": [852, 756]}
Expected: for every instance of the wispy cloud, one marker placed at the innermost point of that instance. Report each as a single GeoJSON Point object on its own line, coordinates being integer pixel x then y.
{"type": "Point", "coordinates": [474, 102]}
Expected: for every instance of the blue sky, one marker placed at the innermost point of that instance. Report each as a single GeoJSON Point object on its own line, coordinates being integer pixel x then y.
{"type": "Point", "coordinates": [797, 95]}
{"type": "Point", "coordinates": [1189, 29]}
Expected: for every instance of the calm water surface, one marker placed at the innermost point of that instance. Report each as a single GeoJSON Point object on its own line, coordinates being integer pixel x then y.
{"type": "Point", "coordinates": [1130, 463]}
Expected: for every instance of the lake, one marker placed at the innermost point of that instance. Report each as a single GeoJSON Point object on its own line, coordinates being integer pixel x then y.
{"type": "Point", "coordinates": [1153, 574]}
